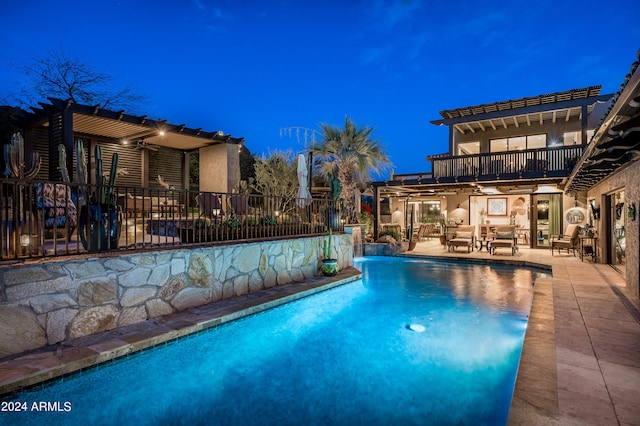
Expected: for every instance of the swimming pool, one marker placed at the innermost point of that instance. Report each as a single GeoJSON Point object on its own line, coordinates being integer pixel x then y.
{"type": "Point", "coordinates": [344, 356]}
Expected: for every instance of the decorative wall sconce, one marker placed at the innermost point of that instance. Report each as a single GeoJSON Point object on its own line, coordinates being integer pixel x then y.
{"type": "Point", "coordinates": [28, 243]}
{"type": "Point", "coordinates": [25, 240]}
{"type": "Point", "coordinates": [632, 211]}
{"type": "Point", "coordinates": [595, 210]}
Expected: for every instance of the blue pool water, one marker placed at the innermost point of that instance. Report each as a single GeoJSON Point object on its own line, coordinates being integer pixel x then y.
{"type": "Point", "coordinates": [345, 356]}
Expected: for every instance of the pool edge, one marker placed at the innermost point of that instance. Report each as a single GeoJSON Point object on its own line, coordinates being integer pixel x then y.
{"type": "Point", "coordinates": [535, 398]}
{"type": "Point", "coordinates": [52, 362]}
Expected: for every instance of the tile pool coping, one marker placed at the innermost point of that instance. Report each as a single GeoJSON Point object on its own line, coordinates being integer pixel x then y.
{"type": "Point", "coordinates": [51, 362]}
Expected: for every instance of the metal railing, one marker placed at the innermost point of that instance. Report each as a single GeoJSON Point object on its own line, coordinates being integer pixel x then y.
{"type": "Point", "coordinates": [556, 160]}
{"type": "Point", "coordinates": [47, 219]}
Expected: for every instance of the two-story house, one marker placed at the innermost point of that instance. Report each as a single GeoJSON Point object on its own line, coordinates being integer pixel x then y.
{"type": "Point", "coordinates": [541, 163]}
{"type": "Point", "coordinates": [507, 163]}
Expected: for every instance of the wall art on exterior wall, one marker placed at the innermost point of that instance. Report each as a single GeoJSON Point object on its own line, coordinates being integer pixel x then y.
{"type": "Point", "coordinates": [496, 207]}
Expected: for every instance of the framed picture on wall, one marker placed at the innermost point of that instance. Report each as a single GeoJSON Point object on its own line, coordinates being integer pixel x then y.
{"type": "Point", "coordinates": [496, 207]}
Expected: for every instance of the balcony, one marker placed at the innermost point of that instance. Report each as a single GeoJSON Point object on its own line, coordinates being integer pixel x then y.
{"type": "Point", "coordinates": [556, 162]}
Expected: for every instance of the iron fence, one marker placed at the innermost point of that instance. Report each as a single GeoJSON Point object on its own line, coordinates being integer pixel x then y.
{"type": "Point", "coordinates": [48, 219]}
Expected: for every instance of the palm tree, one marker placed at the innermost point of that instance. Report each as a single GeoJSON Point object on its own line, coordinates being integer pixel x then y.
{"type": "Point", "coordinates": [352, 155]}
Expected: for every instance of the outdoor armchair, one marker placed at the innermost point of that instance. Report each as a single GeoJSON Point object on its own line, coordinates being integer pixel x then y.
{"type": "Point", "coordinates": [505, 237]}
{"type": "Point", "coordinates": [425, 231]}
{"type": "Point", "coordinates": [56, 209]}
{"type": "Point", "coordinates": [568, 240]}
{"type": "Point", "coordinates": [209, 205]}
{"type": "Point", "coordinates": [239, 204]}
{"type": "Point", "coordinates": [464, 236]}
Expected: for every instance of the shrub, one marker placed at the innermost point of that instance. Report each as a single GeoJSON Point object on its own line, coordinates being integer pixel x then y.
{"type": "Point", "coordinates": [232, 222]}
{"type": "Point", "coordinates": [366, 219]}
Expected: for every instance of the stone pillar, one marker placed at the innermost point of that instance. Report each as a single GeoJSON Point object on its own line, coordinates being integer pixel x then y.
{"type": "Point", "coordinates": [219, 168]}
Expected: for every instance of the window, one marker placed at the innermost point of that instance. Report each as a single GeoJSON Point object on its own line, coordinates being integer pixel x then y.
{"type": "Point", "coordinates": [575, 138]}
{"type": "Point", "coordinates": [499, 145]}
{"type": "Point", "coordinates": [429, 211]}
{"type": "Point", "coordinates": [536, 141]}
{"type": "Point", "coordinates": [572, 138]}
{"type": "Point", "coordinates": [518, 143]}
{"type": "Point", "coordinates": [469, 148]}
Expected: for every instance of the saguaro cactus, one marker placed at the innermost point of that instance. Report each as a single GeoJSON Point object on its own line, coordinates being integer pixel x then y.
{"type": "Point", "coordinates": [80, 177]}
{"type": "Point", "coordinates": [105, 189]}
{"type": "Point", "coordinates": [15, 161]}
{"type": "Point", "coordinates": [335, 188]}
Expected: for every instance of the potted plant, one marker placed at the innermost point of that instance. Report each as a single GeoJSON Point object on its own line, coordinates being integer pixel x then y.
{"type": "Point", "coordinates": [329, 266]}
{"type": "Point", "coordinates": [100, 221]}
{"type": "Point", "coordinates": [443, 229]}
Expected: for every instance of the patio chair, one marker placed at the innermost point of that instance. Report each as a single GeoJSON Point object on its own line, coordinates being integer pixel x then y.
{"type": "Point", "coordinates": [463, 237]}
{"type": "Point", "coordinates": [209, 205]}
{"type": "Point", "coordinates": [505, 237]}
{"type": "Point", "coordinates": [238, 203]}
{"type": "Point", "coordinates": [425, 231]}
{"type": "Point", "coordinates": [568, 240]}
{"type": "Point", "coordinates": [56, 210]}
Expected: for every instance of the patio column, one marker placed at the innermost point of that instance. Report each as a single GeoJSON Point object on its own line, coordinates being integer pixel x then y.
{"type": "Point", "coordinates": [219, 167]}
{"type": "Point", "coordinates": [64, 136]}
{"type": "Point", "coordinates": [584, 125]}
{"type": "Point", "coordinates": [376, 210]}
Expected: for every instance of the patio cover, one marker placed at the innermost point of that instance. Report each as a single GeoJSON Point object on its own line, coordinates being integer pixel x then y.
{"type": "Point", "coordinates": [93, 120]}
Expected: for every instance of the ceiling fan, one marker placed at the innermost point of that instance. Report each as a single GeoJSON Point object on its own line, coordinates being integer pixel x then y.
{"type": "Point", "coordinates": [141, 144]}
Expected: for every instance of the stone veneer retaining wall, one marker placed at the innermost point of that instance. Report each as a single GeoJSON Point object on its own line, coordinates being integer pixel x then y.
{"type": "Point", "coordinates": [56, 301]}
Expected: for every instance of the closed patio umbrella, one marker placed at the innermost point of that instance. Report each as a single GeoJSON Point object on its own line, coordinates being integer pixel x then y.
{"type": "Point", "coordinates": [304, 196]}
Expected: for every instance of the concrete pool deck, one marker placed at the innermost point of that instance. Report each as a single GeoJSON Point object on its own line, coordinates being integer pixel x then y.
{"type": "Point", "coordinates": [580, 362]}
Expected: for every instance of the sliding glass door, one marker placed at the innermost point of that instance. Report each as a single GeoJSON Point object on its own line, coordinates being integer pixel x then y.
{"type": "Point", "coordinates": [546, 218]}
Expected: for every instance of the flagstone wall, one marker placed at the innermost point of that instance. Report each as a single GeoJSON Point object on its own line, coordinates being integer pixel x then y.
{"type": "Point", "coordinates": [57, 301]}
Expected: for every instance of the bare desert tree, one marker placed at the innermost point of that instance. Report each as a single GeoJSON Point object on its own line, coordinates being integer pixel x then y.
{"type": "Point", "coordinates": [276, 176]}
{"type": "Point", "coordinates": [63, 76]}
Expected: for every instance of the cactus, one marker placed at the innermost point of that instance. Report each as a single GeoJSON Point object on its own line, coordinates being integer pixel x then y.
{"type": "Point", "coordinates": [105, 189]}
{"type": "Point", "coordinates": [335, 188]}
{"type": "Point", "coordinates": [15, 161]}
{"type": "Point", "coordinates": [326, 246]}
{"type": "Point", "coordinates": [62, 162]}
{"type": "Point", "coordinates": [80, 177]}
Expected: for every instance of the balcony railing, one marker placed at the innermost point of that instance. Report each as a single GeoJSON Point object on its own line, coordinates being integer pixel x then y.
{"type": "Point", "coordinates": [544, 162]}
{"type": "Point", "coordinates": [44, 219]}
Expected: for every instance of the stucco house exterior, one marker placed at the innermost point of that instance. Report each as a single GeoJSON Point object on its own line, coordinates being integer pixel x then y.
{"type": "Point", "coordinates": [540, 163]}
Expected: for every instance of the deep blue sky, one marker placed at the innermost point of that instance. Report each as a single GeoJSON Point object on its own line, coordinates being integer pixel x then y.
{"type": "Point", "coordinates": [252, 68]}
